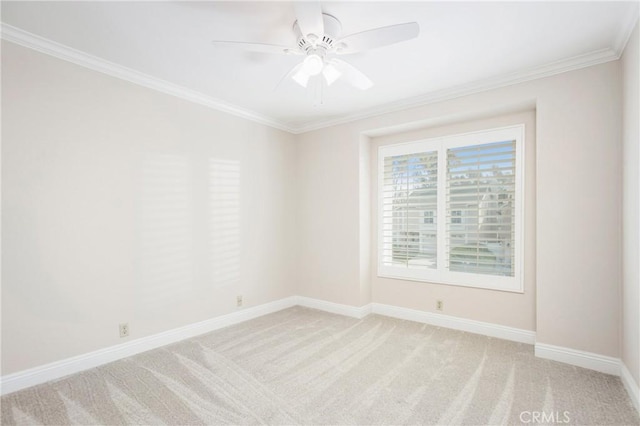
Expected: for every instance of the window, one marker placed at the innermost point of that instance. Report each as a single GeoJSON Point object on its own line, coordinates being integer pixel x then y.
{"type": "Point", "coordinates": [456, 216]}
{"type": "Point", "coordinates": [450, 209]}
{"type": "Point", "coordinates": [428, 216]}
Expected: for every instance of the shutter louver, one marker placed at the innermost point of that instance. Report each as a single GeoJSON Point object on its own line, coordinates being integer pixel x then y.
{"type": "Point", "coordinates": [480, 208]}
{"type": "Point", "coordinates": [409, 216]}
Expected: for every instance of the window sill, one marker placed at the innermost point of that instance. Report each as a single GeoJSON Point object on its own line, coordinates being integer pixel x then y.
{"type": "Point", "coordinates": [511, 288]}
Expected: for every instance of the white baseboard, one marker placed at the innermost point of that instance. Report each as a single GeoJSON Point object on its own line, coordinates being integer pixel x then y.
{"type": "Point", "coordinates": [590, 360]}
{"type": "Point", "coordinates": [56, 370]}
{"type": "Point", "coordinates": [335, 308]}
{"type": "Point", "coordinates": [447, 321]}
{"type": "Point", "coordinates": [34, 376]}
{"type": "Point", "coordinates": [633, 388]}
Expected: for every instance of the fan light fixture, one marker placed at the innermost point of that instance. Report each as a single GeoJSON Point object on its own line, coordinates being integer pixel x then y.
{"type": "Point", "coordinates": [313, 64]}
{"type": "Point", "coordinates": [331, 74]}
{"type": "Point", "coordinates": [301, 78]}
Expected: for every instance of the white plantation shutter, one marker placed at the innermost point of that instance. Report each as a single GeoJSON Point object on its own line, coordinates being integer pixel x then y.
{"type": "Point", "coordinates": [480, 228]}
{"type": "Point", "coordinates": [409, 206]}
{"type": "Point", "coordinates": [450, 209]}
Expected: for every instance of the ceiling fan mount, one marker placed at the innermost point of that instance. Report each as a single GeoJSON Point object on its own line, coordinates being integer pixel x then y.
{"type": "Point", "coordinates": [319, 39]}
{"type": "Point", "coordinates": [324, 42]}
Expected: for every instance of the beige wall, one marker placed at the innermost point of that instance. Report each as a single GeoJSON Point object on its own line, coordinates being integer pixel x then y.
{"type": "Point", "coordinates": [87, 158]}
{"type": "Point", "coordinates": [578, 198]}
{"type": "Point", "coordinates": [108, 194]}
{"type": "Point", "coordinates": [631, 213]}
{"type": "Point", "coordinates": [328, 216]}
{"type": "Point", "coordinates": [507, 308]}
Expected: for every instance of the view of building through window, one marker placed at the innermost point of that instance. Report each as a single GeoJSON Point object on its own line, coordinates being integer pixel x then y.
{"type": "Point", "coordinates": [480, 208]}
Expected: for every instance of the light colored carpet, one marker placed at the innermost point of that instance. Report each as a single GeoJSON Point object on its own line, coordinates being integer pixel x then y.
{"type": "Point", "coordinates": [302, 366]}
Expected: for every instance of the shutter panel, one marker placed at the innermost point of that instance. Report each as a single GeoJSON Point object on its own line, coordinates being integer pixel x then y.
{"type": "Point", "coordinates": [409, 210]}
{"type": "Point", "coordinates": [480, 213]}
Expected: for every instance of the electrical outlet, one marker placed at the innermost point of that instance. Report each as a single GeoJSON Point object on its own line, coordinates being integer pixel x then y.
{"type": "Point", "coordinates": [239, 301]}
{"type": "Point", "coordinates": [439, 305]}
{"type": "Point", "coordinates": [124, 329]}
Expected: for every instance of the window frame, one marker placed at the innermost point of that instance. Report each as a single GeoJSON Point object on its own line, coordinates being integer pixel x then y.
{"type": "Point", "coordinates": [442, 275]}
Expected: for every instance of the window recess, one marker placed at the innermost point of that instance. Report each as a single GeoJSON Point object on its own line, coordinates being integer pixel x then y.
{"type": "Point", "coordinates": [451, 209]}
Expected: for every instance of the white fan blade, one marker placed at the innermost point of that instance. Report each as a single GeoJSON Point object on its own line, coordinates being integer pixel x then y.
{"type": "Point", "coordinates": [379, 37]}
{"type": "Point", "coordinates": [259, 47]}
{"type": "Point", "coordinates": [309, 16]}
{"type": "Point", "coordinates": [316, 89]}
{"type": "Point", "coordinates": [352, 75]}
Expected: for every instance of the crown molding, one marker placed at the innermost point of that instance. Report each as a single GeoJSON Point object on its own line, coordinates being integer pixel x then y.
{"type": "Point", "coordinates": [626, 29]}
{"type": "Point", "coordinates": [52, 48]}
{"type": "Point", "coordinates": [574, 63]}
{"type": "Point", "coordinates": [41, 44]}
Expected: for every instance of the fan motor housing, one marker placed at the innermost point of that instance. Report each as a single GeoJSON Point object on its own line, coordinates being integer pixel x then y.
{"type": "Point", "coordinates": [324, 42]}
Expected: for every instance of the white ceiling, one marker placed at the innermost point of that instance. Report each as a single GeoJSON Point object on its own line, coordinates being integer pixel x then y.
{"type": "Point", "coordinates": [461, 44]}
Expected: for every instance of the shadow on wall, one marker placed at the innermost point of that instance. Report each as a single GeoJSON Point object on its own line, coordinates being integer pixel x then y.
{"type": "Point", "coordinates": [166, 258]}
{"type": "Point", "coordinates": [224, 191]}
{"type": "Point", "coordinates": [172, 265]}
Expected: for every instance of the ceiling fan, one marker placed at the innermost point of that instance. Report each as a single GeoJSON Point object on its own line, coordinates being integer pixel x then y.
{"type": "Point", "coordinates": [319, 41]}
